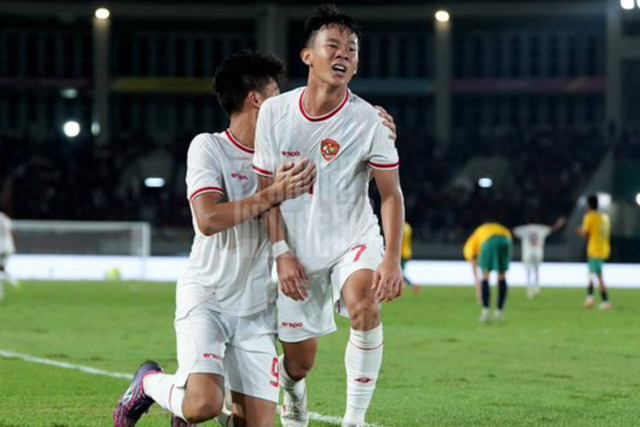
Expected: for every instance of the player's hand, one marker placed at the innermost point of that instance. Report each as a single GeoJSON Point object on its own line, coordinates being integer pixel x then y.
{"type": "Point", "coordinates": [294, 180]}
{"type": "Point", "coordinates": [388, 283]}
{"type": "Point", "coordinates": [387, 120]}
{"type": "Point", "coordinates": [292, 278]}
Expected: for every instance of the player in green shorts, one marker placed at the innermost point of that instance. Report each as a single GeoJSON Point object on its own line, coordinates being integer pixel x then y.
{"type": "Point", "coordinates": [490, 247]}
{"type": "Point", "coordinates": [596, 227]}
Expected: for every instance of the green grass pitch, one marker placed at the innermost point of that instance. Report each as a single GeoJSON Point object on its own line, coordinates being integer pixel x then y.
{"type": "Point", "coordinates": [551, 363]}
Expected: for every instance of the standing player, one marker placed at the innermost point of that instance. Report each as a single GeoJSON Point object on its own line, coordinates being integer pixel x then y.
{"type": "Point", "coordinates": [533, 237]}
{"type": "Point", "coordinates": [490, 247]}
{"type": "Point", "coordinates": [596, 226]}
{"type": "Point", "coordinates": [7, 248]}
{"type": "Point", "coordinates": [337, 257]}
{"type": "Point", "coordinates": [405, 255]}
{"type": "Point", "coordinates": [225, 312]}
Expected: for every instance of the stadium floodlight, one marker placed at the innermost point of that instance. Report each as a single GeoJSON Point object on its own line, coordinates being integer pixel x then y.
{"type": "Point", "coordinates": [154, 182]}
{"type": "Point", "coordinates": [604, 201]}
{"type": "Point", "coordinates": [71, 129]}
{"type": "Point", "coordinates": [69, 93]}
{"type": "Point", "coordinates": [442, 16]}
{"type": "Point", "coordinates": [627, 4]}
{"type": "Point", "coordinates": [485, 182]}
{"type": "Point", "coordinates": [103, 13]}
{"type": "Point", "coordinates": [638, 199]}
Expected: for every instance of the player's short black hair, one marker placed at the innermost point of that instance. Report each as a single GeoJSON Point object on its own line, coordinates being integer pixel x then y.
{"type": "Point", "coordinates": [327, 15]}
{"type": "Point", "coordinates": [242, 73]}
{"type": "Point", "coordinates": [592, 201]}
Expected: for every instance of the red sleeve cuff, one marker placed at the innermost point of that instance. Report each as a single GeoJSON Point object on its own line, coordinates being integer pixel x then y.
{"type": "Point", "coordinates": [205, 190]}
{"type": "Point", "coordinates": [383, 165]}
{"type": "Point", "coordinates": [262, 171]}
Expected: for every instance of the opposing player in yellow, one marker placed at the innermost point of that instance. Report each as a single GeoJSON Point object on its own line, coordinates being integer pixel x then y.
{"type": "Point", "coordinates": [596, 227]}
{"type": "Point", "coordinates": [490, 247]}
{"type": "Point", "coordinates": [406, 254]}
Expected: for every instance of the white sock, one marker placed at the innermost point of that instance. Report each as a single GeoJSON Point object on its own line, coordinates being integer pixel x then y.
{"type": "Point", "coordinates": [296, 389]}
{"type": "Point", "coordinates": [161, 388]}
{"type": "Point", "coordinates": [362, 360]}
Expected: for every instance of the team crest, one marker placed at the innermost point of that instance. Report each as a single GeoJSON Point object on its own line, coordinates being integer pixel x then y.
{"type": "Point", "coordinates": [329, 149]}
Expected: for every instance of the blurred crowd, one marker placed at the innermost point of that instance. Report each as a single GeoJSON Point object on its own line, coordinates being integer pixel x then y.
{"type": "Point", "coordinates": [53, 177]}
{"type": "Point", "coordinates": [543, 175]}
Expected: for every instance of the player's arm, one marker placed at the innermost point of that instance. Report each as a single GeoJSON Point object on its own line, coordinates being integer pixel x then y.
{"type": "Point", "coordinates": [471, 255]}
{"type": "Point", "coordinates": [387, 279]}
{"type": "Point", "coordinates": [476, 280]}
{"type": "Point", "coordinates": [518, 232]}
{"type": "Point", "coordinates": [560, 222]}
{"type": "Point", "coordinates": [584, 230]}
{"type": "Point", "coordinates": [213, 216]}
{"type": "Point", "coordinates": [291, 275]}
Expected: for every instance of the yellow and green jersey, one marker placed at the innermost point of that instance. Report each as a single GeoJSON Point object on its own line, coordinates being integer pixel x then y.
{"type": "Point", "coordinates": [405, 248]}
{"type": "Point", "coordinates": [480, 236]}
{"type": "Point", "coordinates": [597, 226]}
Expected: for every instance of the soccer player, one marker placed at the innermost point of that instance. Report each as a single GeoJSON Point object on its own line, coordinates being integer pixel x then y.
{"type": "Point", "coordinates": [490, 247]}
{"type": "Point", "coordinates": [7, 248]}
{"type": "Point", "coordinates": [327, 244]}
{"type": "Point", "coordinates": [225, 305]}
{"type": "Point", "coordinates": [405, 255]}
{"type": "Point", "coordinates": [596, 226]}
{"type": "Point", "coordinates": [533, 237]}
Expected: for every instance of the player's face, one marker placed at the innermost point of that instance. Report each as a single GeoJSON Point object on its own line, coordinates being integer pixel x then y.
{"type": "Point", "coordinates": [333, 55]}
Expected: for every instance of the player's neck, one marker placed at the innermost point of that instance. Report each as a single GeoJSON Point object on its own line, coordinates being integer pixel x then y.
{"type": "Point", "coordinates": [320, 98]}
{"type": "Point", "coordinates": [243, 129]}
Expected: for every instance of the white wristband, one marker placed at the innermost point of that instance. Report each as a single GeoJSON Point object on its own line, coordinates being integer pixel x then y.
{"type": "Point", "coordinates": [280, 248]}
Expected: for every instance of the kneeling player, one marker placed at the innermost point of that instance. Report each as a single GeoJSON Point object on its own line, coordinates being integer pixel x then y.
{"type": "Point", "coordinates": [225, 306]}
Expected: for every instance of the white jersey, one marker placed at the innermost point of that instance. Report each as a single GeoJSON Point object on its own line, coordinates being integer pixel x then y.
{"type": "Point", "coordinates": [344, 144]}
{"type": "Point", "coordinates": [533, 237]}
{"type": "Point", "coordinates": [231, 269]}
{"type": "Point", "coordinates": [6, 239]}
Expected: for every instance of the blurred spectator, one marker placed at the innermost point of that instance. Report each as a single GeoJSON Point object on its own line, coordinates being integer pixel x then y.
{"type": "Point", "coordinates": [51, 177]}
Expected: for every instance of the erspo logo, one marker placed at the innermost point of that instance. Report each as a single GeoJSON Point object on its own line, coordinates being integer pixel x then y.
{"type": "Point", "coordinates": [291, 325]}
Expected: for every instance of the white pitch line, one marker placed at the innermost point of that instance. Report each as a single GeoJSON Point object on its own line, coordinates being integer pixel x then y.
{"type": "Point", "coordinates": [49, 362]}
{"type": "Point", "coordinates": [93, 371]}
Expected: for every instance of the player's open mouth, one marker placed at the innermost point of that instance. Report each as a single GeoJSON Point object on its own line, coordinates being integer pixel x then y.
{"type": "Point", "coordinates": [340, 69]}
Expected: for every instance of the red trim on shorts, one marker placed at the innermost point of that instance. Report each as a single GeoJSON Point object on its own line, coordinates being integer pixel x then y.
{"type": "Point", "coordinates": [206, 190]}
{"type": "Point", "coordinates": [262, 171]}
{"type": "Point", "coordinates": [384, 166]}
{"type": "Point", "coordinates": [326, 116]}
{"type": "Point", "coordinates": [237, 143]}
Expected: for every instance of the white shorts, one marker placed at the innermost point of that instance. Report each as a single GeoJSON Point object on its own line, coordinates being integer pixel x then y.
{"type": "Point", "coordinates": [532, 261]}
{"type": "Point", "coordinates": [313, 317]}
{"type": "Point", "coordinates": [241, 349]}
